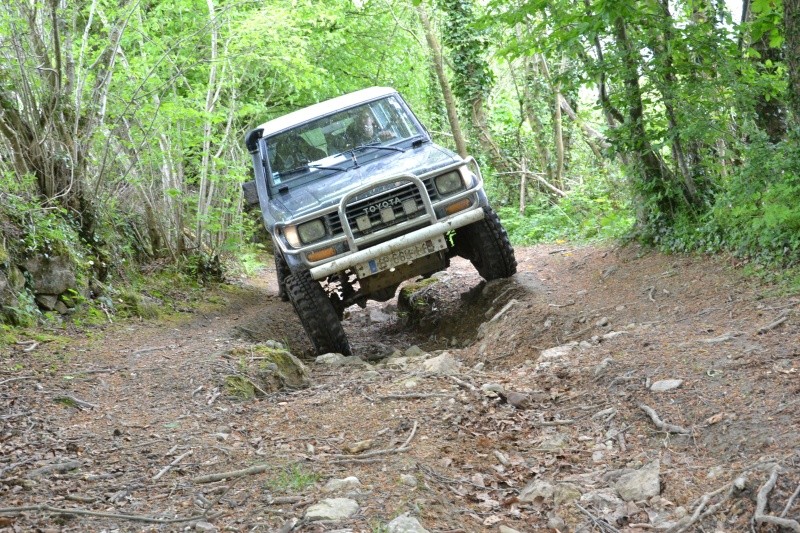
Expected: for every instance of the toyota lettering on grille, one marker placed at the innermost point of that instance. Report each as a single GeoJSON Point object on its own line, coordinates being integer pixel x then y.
{"type": "Point", "coordinates": [375, 208]}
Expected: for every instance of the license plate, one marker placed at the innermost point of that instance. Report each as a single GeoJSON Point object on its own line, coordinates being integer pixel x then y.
{"type": "Point", "coordinates": [400, 257]}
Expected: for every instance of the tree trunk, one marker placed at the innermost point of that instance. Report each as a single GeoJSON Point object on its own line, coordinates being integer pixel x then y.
{"type": "Point", "coordinates": [655, 177]}
{"type": "Point", "coordinates": [662, 54]}
{"type": "Point", "coordinates": [791, 26]}
{"type": "Point", "coordinates": [205, 190]}
{"type": "Point", "coordinates": [533, 119]}
{"type": "Point", "coordinates": [447, 93]}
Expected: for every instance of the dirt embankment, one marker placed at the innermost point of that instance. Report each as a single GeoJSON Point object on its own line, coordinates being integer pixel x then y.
{"type": "Point", "coordinates": [602, 388]}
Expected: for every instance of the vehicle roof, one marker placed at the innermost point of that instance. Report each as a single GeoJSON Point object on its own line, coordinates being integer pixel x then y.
{"type": "Point", "coordinates": [311, 112]}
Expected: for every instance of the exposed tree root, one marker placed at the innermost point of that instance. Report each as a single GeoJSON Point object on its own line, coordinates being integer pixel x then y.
{"type": "Point", "coordinates": [660, 424]}
{"type": "Point", "coordinates": [761, 504]}
{"type": "Point", "coordinates": [85, 512]}
{"type": "Point", "coordinates": [210, 478]}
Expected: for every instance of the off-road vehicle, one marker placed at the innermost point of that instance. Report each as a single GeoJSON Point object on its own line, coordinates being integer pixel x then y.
{"type": "Point", "coordinates": [358, 199]}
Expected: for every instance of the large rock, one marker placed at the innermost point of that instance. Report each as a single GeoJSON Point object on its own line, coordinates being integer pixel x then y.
{"type": "Point", "coordinates": [665, 385]}
{"type": "Point", "coordinates": [640, 484]}
{"type": "Point", "coordinates": [443, 364]}
{"type": "Point", "coordinates": [332, 509]}
{"type": "Point", "coordinates": [559, 352]}
{"type": "Point", "coordinates": [47, 301]}
{"type": "Point", "coordinates": [52, 275]}
{"type": "Point", "coordinates": [406, 524]}
{"type": "Point", "coordinates": [565, 493]}
{"type": "Point", "coordinates": [348, 483]}
{"type": "Point", "coordinates": [536, 491]}
{"type": "Point", "coordinates": [337, 359]}
{"type": "Point", "coordinates": [276, 369]}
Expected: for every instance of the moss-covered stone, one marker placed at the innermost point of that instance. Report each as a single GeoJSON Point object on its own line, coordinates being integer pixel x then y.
{"type": "Point", "coordinates": [272, 369]}
{"type": "Point", "coordinates": [415, 301]}
{"type": "Point", "coordinates": [136, 305]}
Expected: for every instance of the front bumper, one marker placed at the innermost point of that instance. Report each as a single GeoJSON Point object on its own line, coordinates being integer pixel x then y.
{"type": "Point", "coordinates": [403, 241]}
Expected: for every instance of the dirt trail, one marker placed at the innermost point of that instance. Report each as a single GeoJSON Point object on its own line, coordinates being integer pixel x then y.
{"type": "Point", "coordinates": [120, 422]}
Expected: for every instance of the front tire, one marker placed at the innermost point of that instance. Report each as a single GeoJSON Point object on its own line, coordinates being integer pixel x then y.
{"type": "Point", "coordinates": [317, 314]}
{"type": "Point", "coordinates": [282, 271]}
{"type": "Point", "coordinates": [485, 243]}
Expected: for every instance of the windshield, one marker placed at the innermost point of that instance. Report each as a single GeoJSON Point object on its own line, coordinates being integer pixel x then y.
{"type": "Point", "coordinates": [341, 141]}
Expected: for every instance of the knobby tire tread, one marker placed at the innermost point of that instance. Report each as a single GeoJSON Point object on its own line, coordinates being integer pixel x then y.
{"type": "Point", "coordinates": [490, 248]}
{"type": "Point", "coordinates": [282, 270]}
{"type": "Point", "coordinates": [317, 314]}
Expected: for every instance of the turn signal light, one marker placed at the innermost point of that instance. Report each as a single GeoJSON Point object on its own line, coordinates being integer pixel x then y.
{"type": "Point", "coordinates": [319, 255]}
{"type": "Point", "coordinates": [460, 205]}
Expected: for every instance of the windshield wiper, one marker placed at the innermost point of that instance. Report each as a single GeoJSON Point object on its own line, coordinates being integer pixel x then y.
{"type": "Point", "coordinates": [376, 146]}
{"type": "Point", "coordinates": [305, 167]}
{"type": "Point", "coordinates": [326, 167]}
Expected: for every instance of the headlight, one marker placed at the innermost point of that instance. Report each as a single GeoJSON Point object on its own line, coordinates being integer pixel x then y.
{"type": "Point", "coordinates": [305, 233]}
{"type": "Point", "coordinates": [450, 182]}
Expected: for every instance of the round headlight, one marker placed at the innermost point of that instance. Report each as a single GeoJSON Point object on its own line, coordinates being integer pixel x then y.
{"type": "Point", "coordinates": [311, 231]}
{"type": "Point", "coordinates": [450, 182]}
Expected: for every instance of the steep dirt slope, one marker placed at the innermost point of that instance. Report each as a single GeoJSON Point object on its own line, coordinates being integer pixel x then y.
{"type": "Point", "coordinates": [527, 404]}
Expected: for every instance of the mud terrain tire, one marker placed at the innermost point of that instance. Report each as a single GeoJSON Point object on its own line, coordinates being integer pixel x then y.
{"type": "Point", "coordinates": [282, 270]}
{"type": "Point", "coordinates": [317, 314]}
{"type": "Point", "coordinates": [485, 243]}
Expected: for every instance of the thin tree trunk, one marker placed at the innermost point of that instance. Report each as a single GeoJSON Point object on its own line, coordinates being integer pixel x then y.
{"type": "Point", "coordinates": [791, 25]}
{"type": "Point", "coordinates": [523, 185]}
{"type": "Point", "coordinates": [670, 80]}
{"type": "Point", "coordinates": [444, 83]}
{"type": "Point", "coordinates": [203, 195]}
{"type": "Point", "coordinates": [655, 176]}
{"type": "Point", "coordinates": [533, 119]}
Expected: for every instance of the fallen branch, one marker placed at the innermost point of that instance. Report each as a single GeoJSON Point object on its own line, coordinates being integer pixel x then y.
{"type": "Point", "coordinates": [701, 512]}
{"type": "Point", "coordinates": [16, 415]}
{"type": "Point", "coordinates": [464, 384]}
{"type": "Point", "coordinates": [660, 424]}
{"type": "Point", "coordinates": [361, 458]}
{"type": "Point", "coordinates": [571, 302]}
{"type": "Point", "coordinates": [791, 501]}
{"type": "Point", "coordinates": [210, 478]}
{"type": "Point", "coordinates": [722, 338]}
{"type": "Point", "coordinates": [761, 504]}
{"type": "Point", "coordinates": [149, 349]}
{"type": "Point", "coordinates": [600, 523]}
{"type": "Point", "coordinates": [562, 422]}
{"type": "Point", "coordinates": [20, 378]}
{"type": "Point", "coordinates": [70, 399]}
{"type": "Point", "coordinates": [84, 512]}
{"type": "Point", "coordinates": [173, 463]}
{"type": "Point", "coordinates": [32, 345]}
{"type": "Point", "coordinates": [57, 467]}
{"type": "Point", "coordinates": [214, 395]}
{"type": "Point", "coordinates": [774, 324]}
{"type": "Point", "coordinates": [415, 396]}
{"type": "Point", "coordinates": [650, 290]}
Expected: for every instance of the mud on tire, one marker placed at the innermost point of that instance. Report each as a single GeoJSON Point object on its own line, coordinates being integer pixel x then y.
{"type": "Point", "coordinates": [485, 243]}
{"type": "Point", "coordinates": [282, 270]}
{"type": "Point", "coordinates": [317, 314]}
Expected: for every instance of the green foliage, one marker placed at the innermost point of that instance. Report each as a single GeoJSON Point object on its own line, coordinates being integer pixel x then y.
{"type": "Point", "coordinates": [594, 210]}
{"type": "Point", "coordinates": [239, 387]}
{"type": "Point", "coordinates": [468, 44]}
{"type": "Point", "coordinates": [292, 478]}
{"type": "Point", "coordinates": [755, 216]}
{"type": "Point", "coordinates": [25, 313]}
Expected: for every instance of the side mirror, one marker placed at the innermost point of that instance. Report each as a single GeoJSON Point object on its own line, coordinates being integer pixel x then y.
{"type": "Point", "coordinates": [250, 193]}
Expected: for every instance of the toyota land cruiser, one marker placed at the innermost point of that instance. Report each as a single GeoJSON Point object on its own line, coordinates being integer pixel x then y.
{"type": "Point", "coordinates": [358, 199]}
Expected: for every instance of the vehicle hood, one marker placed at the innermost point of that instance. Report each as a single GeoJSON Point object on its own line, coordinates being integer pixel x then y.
{"type": "Point", "coordinates": [329, 190]}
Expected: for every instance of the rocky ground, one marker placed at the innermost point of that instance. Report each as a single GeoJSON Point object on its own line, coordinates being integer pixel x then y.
{"type": "Point", "coordinates": [600, 389]}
